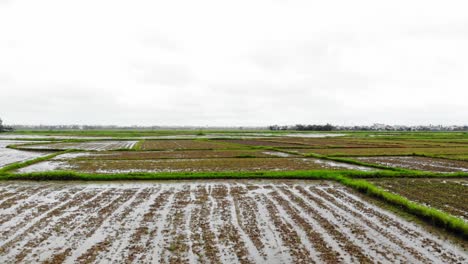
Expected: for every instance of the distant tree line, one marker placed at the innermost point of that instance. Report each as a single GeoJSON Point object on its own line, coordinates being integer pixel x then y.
{"type": "Point", "coordinates": [374, 127]}
{"type": "Point", "coordinates": [299, 127]}
{"type": "Point", "coordinates": [4, 128]}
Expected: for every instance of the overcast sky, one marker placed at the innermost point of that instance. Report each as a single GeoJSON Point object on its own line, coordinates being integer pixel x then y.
{"type": "Point", "coordinates": [233, 62]}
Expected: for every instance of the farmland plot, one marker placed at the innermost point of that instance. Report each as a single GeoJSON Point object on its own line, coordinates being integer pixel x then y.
{"type": "Point", "coordinates": [263, 143]}
{"type": "Point", "coordinates": [190, 165]}
{"type": "Point", "coordinates": [450, 195]}
{"type": "Point", "coordinates": [207, 222]}
{"type": "Point", "coordinates": [383, 151]}
{"type": "Point", "coordinates": [366, 143]}
{"type": "Point", "coordinates": [419, 163]}
{"type": "Point", "coordinates": [8, 156]}
{"type": "Point", "coordinates": [183, 144]}
{"type": "Point", "coordinates": [191, 154]}
{"type": "Point", "coordinates": [95, 145]}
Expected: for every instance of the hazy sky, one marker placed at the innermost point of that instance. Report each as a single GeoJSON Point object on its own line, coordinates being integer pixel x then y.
{"type": "Point", "coordinates": [233, 62]}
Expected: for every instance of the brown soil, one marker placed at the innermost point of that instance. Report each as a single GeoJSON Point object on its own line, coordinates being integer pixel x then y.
{"type": "Point", "coordinates": [210, 222]}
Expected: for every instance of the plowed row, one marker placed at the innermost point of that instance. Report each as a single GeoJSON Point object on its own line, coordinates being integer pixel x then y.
{"type": "Point", "coordinates": [206, 222]}
{"type": "Point", "coordinates": [96, 145]}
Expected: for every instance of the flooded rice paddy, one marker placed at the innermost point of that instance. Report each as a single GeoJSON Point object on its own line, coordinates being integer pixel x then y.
{"type": "Point", "coordinates": [419, 163]}
{"type": "Point", "coordinates": [96, 145]}
{"type": "Point", "coordinates": [188, 165]}
{"type": "Point", "coordinates": [8, 156]}
{"type": "Point", "coordinates": [449, 195]}
{"type": "Point", "coordinates": [207, 222]}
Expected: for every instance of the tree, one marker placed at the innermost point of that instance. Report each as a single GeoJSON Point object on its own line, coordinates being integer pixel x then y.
{"type": "Point", "coordinates": [4, 128]}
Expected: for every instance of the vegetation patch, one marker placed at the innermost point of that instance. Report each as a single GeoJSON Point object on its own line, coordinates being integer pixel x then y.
{"type": "Point", "coordinates": [343, 152]}
{"type": "Point", "coordinates": [418, 163]}
{"type": "Point", "coordinates": [449, 195]}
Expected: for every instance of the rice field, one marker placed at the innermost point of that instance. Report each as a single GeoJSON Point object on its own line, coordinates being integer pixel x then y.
{"type": "Point", "coordinates": [8, 156]}
{"type": "Point", "coordinates": [92, 146]}
{"type": "Point", "coordinates": [182, 154]}
{"type": "Point", "coordinates": [189, 165]}
{"type": "Point", "coordinates": [419, 163]}
{"type": "Point", "coordinates": [183, 144]}
{"type": "Point", "coordinates": [207, 222]}
{"type": "Point", "coordinates": [384, 151]}
{"type": "Point", "coordinates": [449, 195]}
{"type": "Point", "coordinates": [233, 221]}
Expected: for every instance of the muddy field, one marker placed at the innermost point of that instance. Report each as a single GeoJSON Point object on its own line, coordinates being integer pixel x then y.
{"type": "Point", "coordinates": [364, 143]}
{"type": "Point", "coordinates": [450, 195]}
{"type": "Point", "coordinates": [263, 143]}
{"type": "Point", "coordinates": [383, 151]}
{"type": "Point", "coordinates": [8, 156]}
{"type": "Point", "coordinates": [188, 165]}
{"type": "Point", "coordinates": [184, 144]}
{"type": "Point", "coordinates": [95, 145]}
{"type": "Point", "coordinates": [181, 154]}
{"type": "Point", "coordinates": [207, 222]}
{"type": "Point", "coordinates": [419, 163]}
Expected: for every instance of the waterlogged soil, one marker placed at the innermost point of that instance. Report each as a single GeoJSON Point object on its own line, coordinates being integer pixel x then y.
{"type": "Point", "coordinates": [263, 143]}
{"type": "Point", "coordinates": [207, 222]}
{"type": "Point", "coordinates": [449, 195]}
{"type": "Point", "coordinates": [184, 144]}
{"type": "Point", "coordinates": [337, 143]}
{"type": "Point", "coordinates": [180, 154]}
{"type": "Point", "coordinates": [8, 156]}
{"type": "Point", "coordinates": [419, 163]}
{"type": "Point", "coordinates": [191, 165]}
{"type": "Point", "coordinates": [383, 151]}
{"type": "Point", "coordinates": [95, 145]}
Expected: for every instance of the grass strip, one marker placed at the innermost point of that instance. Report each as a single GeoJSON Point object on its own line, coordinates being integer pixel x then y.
{"type": "Point", "coordinates": [138, 145]}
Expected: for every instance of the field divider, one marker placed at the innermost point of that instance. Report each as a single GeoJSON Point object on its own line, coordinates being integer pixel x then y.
{"type": "Point", "coordinates": [138, 145]}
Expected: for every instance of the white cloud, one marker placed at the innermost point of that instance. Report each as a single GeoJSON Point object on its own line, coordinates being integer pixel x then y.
{"type": "Point", "coordinates": [233, 62]}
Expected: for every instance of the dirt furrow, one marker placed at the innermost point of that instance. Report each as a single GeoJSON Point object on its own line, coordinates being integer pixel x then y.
{"type": "Point", "coordinates": [292, 237]}
{"type": "Point", "coordinates": [246, 216]}
{"type": "Point", "coordinates": [107, 205]}
{"type": "Point", "coordinates": [369, 232]}
{"type": "Point", "coordinates": [175, 239]}
{"type": "Point", "coordinates": [31, 235]}
{"type": "Point", "coordinates": [17, 216]}
{"type": "Point", "coordinates": [275, 248]}
{"type": "Point", "coordinates": [228, 235]}
{"type": "Point", "coordinates": [325, 250]}
{"type": "Point", "coordinates": [156, 236]}
{"type": "Point", "coordinates": [67, 229]}
{"type": "Point", "coordinates": [141, 239]}
{"type": "Point", "coordinates": [426, 244]}
{"type": "Point", "coordinates": [202, 236]}
{"type": "Point", "coordinates": [253, 251]}
{"type": "Point", "coordinates": [19, 198]}
{"type": "Point", "coordinates": [111, 232]}
{"type": "Point", "coordinates": [331, 232]}
{"type": "Point", "coordinates": [353, 237]}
